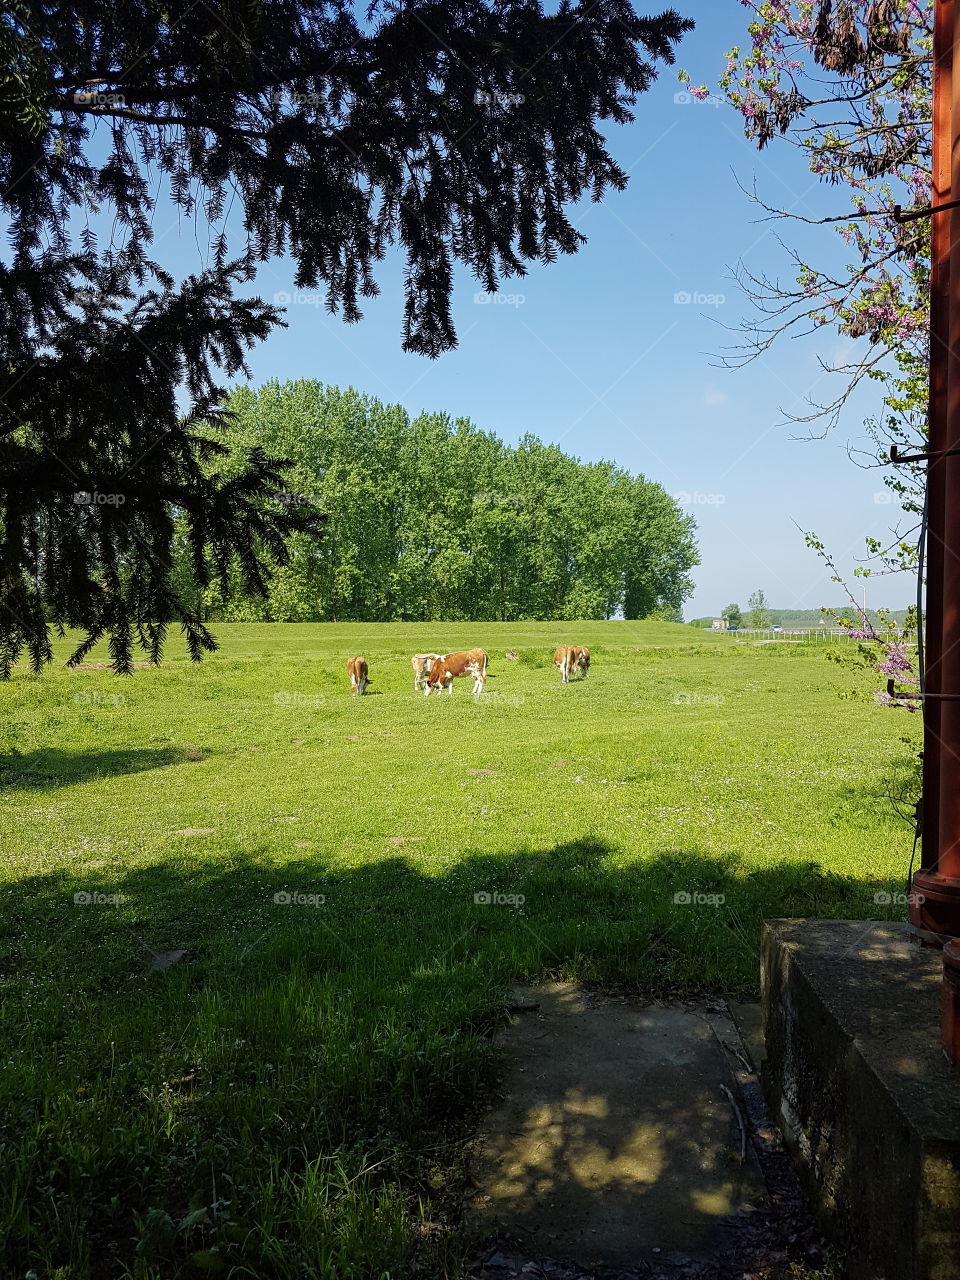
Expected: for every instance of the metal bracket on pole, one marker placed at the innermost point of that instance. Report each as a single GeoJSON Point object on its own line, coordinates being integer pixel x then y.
{"type": "Point", "coordinates": [914, 214]}
{"type": "Point", "coordinates": [925, 455]}
{"type": "Point", "coordinates": [900, 696]}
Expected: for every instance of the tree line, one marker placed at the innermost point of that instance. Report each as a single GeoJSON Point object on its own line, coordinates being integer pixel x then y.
{"type": "Point", "coordinates": [429, 517]}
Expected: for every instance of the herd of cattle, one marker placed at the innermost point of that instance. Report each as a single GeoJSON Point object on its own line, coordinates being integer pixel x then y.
{"type": "Point", "coordinates": [439, 670]}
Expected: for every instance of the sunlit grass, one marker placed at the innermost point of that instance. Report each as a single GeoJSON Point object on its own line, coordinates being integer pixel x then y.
{"type": "Point", "coordinates": [291, 1096]}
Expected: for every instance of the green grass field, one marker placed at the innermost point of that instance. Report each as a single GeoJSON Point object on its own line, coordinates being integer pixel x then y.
{"type": "Point", "coordinates": [292, 1097]}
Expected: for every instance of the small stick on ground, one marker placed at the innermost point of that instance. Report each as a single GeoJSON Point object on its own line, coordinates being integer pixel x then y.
{"type": "Point", "coordinates": [743, 1129]}
{"type": "Point", "coordinates": [747, 1066]}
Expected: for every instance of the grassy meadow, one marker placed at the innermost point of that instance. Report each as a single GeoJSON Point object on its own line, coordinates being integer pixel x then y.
{"type": "Point", "coordinates": [291, 1096]}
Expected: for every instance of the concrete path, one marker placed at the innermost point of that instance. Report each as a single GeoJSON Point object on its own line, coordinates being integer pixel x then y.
{"type": "Point", "coordinates": [617, 1143]}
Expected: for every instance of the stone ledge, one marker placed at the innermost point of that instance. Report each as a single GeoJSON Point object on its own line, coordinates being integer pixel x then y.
{"type": "Point", "coordinates": [858, 1082]}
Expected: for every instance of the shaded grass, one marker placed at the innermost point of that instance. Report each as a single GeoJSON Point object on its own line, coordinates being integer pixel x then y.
{"type": "Point", "coordinates": [292, 1097]}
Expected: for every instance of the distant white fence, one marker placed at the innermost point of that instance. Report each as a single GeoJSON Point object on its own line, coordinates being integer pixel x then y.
{"type": "Point", "coordinates": [791, 633]}
{"type": "Point", "coordinates": [794, 633]}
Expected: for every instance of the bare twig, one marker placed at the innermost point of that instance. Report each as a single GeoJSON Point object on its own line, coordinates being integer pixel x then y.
{"type": "Point", "coordinates": [740, 1121]}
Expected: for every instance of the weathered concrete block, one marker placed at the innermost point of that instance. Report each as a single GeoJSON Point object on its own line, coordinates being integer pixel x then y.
{"type": "Point", "coordinates": [859, 1084]}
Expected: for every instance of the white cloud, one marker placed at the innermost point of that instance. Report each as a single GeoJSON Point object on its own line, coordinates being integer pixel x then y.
{"type": "Point", "coordinates": [713, 397]}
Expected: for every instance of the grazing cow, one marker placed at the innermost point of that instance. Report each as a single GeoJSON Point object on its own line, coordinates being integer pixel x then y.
{"type": "Point", "coordinates": [572, 659]}
{"type": "Point", "coordinates": [421, 663]}
{"type": "Point", "coordinates": [357, 671]}
{"type": "Point", "coordinates": [563, 659]}
{"type": "Point", "coordinates": [469, 662]}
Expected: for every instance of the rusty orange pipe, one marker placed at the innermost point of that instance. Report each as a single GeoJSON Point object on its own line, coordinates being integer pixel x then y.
{"type": "Point", "coordinates": [935, 903]}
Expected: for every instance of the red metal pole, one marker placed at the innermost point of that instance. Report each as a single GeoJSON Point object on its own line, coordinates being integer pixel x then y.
{"type": "Point", "coordinates": [939, 313]}
{"type": "Point", "coordinates": [935, 907]}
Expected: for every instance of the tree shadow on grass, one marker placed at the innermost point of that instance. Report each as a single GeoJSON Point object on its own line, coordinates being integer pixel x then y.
{"type": "Point", "coordinates": [894, 787]}
{"type": "Point", "coordinates": [325, 1044]}
{"type": "Point", "coordinates": [574, 907]}
{"type": "Point", "coordinates": [49, 768]}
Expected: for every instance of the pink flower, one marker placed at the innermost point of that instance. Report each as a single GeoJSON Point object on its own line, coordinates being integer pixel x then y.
{"type": "Point", "coordinates": [896, 661]}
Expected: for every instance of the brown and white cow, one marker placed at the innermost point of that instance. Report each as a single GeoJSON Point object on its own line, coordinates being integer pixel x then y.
{"type": "Point", "coordinates": [468, 662]}
{"type": "Point", "coordinates": [572, 659]}
{"type": "Point", "coordinates": [421, 663]}
{"type": "Point", "coordinates": [357, 671]}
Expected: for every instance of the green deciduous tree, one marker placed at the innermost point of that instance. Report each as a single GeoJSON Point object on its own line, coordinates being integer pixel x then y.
{"type": "Point", "coordinates": [759, 615]}
{"type": "Point", "coordinates": [431, 518]}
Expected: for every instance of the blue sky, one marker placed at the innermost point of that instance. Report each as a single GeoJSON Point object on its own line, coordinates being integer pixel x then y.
{"type": "Point", "coordinates": [600, 358]}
